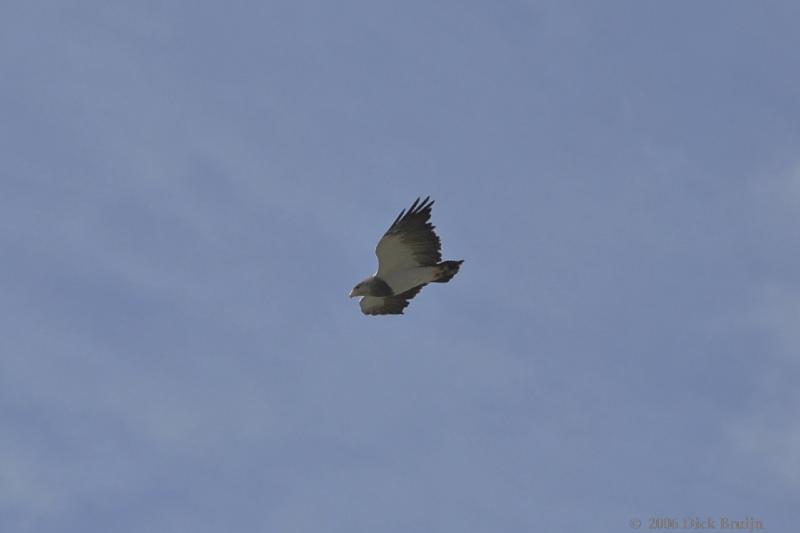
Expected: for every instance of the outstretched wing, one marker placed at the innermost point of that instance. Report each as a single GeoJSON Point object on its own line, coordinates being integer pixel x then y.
{"type": "Point", "coordinates": [388, 305]}
{"type": "Point", "coordinates": [410, 241]}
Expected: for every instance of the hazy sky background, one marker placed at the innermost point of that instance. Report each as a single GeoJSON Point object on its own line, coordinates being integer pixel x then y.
{"type": "Point", "coordinates": [190, 189]}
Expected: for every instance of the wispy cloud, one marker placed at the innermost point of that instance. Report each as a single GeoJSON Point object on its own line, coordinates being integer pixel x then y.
{"type": "Point", "coordinates": [769, 429]}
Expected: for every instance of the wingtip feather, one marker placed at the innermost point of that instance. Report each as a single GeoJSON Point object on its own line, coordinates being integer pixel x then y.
{"type": "Point", "coordinates": [419, 206]}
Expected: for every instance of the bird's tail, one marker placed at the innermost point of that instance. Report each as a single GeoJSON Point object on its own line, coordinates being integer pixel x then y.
{"type": "Point", "coordinates": [446, 271]}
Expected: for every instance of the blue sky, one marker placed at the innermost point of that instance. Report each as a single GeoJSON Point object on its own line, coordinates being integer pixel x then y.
{"type": "Point", "coordinates": [189, 191]}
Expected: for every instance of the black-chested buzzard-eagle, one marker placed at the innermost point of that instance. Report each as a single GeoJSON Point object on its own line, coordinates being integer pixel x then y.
{"type": "Point", "coordinates": [409, 257]}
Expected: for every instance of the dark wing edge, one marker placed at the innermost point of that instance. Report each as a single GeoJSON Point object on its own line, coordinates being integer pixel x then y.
{"type": "Point", "coordinates": [394, 305]}
{"type": "Point", "coordinates": [419, 211]}
{"type": "Point", "coordinates": [414, 229]}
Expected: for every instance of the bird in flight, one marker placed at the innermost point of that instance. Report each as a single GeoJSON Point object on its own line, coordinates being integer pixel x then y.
{"type": "Point", "coordinates": [409, 257]}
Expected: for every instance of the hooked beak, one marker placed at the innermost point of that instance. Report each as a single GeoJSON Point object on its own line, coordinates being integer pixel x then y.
{"type": "Point", "coordinates": [351, 294]}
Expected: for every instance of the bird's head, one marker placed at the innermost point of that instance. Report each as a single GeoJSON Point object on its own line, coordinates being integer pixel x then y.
{"type": "Point", "coordinates": [361, 289]}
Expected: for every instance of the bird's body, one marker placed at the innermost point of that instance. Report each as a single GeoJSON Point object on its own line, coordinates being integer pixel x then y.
{"type": "Point", "coordinates": [403, 280]}
{"type": "Point", "coordinates": [409, 257]}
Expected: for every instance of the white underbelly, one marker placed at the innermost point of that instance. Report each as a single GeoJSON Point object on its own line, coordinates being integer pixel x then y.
{"type": "Point", "coordinates": [402, 280]}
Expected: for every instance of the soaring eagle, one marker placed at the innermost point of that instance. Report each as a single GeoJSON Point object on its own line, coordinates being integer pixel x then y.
{"type": "Point", "coordinates": [409, 257]}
